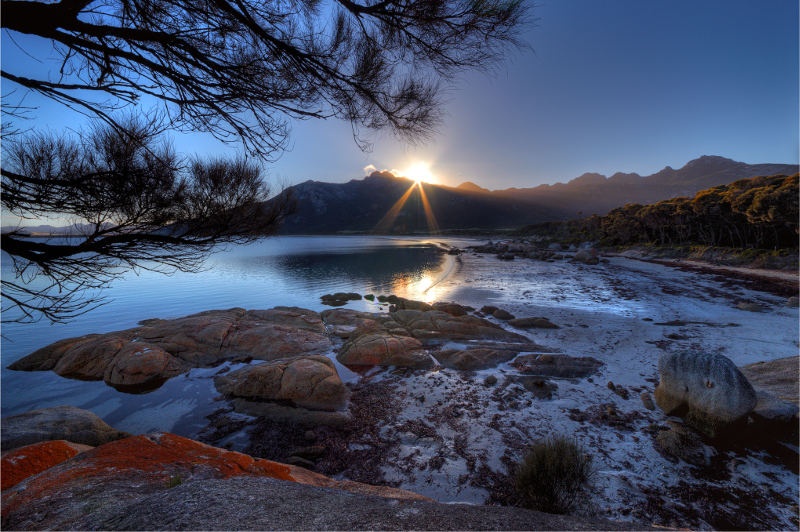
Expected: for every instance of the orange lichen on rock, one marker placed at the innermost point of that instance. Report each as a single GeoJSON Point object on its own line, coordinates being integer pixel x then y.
{"type": "Point", "coordinates": [154, 460]}
{"type": "Point", "coordinates": [24, 462]}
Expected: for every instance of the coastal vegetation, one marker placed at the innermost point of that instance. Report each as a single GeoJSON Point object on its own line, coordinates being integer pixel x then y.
{"type": "Point", "coordinates": [553, 475]}
{"type": "Point", "coordinates": [760, 213]}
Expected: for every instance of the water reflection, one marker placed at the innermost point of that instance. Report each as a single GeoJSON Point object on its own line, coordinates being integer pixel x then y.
{"type": "Point", "coordinates": [291, 271]}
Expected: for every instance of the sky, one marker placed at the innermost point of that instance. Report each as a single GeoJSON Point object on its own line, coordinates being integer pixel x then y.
{"type": "Point", "coordinates": [604, 86]}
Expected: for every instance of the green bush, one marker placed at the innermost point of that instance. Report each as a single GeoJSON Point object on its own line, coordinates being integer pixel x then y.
{"type": "Point", "coordinates": [553, 474]}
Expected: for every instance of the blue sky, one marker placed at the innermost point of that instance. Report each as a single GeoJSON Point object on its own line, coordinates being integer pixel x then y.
{"type": "Point", "coordinates": [613, 85]}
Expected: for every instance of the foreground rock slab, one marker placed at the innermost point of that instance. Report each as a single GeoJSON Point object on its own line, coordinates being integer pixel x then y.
{"type": "Point", "coordinates": [57, 423]}
{"type": "Point", "coordinates": [166, 482]}
{"type": "Point", "coordinates": [102, 483]}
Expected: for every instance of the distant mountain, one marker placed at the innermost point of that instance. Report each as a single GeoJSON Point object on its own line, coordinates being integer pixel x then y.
{"type": "Point", "coordinates": [597, 194]}
{"type": "Point", "coordinates": [469, 186]}
{"type": "Point", "coordinates": [375, 204]}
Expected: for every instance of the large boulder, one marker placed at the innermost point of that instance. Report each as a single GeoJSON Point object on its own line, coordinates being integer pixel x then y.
{"type": "Point", "coordinates": [56, 423]}
{"type": "Point", "coordinates": [142, 358]}
{"type": "Point", "coordinates": [309, 382]}
{"type": "Point", "coordinates": [384, 349]}
{"type": "Point", "coordinates": [707, 389]}
{"type": "Point", "coordinates": [557, 365]}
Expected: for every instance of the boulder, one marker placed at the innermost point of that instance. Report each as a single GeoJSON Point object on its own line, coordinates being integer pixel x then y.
{"type": "Point", "coordinates": [532, 323]}
{"type": "Point", "coordinates": [141, 366]}
{"type": "Point", "coordinates": [309, 382]}
{"type": "Point", "coordinates": [707, 389]}
{"type": "Point", "coordinates": [384, 349]}
{"type": "Point", "coordinates": [540, 387]}
{"type": "Point", "coordinates": [587, 256]}
{"type": "Point", "coordinates": [557, 365]}
{"type": "Point", "coordinates": [141, 359]}
{"type": "Point", "coordinates": [56, 423]}
{"type": "Point", "coordinates": [409, 304]}
{"type": "Point", "coordinates": [454, 309]}
{"type": "Point", "coordinates": [501, 314]}
{"type": "Point", "coordinates": [24, 462]}
{"type": "Point", "coordinates": [474, 359]}
{"type": "Point", "coordinates": [679, 442]}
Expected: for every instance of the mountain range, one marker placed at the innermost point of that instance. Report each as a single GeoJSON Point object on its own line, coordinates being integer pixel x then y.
{"type": "Point", "coordinates": [372, 204]}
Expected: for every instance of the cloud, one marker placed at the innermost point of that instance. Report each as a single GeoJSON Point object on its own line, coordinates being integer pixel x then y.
{"type": "Point", "coordinates": [369, 169]}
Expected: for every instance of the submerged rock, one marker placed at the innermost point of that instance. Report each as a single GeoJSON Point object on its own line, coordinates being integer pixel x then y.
{"type": "Point", "coordinates": [309, 382]}
{"type": "Point", "coordinates": [56, 423]}
{"type": "Point", "coordinates": [707, 389]}
{"type": "Point", "coordinates": [340, 298]}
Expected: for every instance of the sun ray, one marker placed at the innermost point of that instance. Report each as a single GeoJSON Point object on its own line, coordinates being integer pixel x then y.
{"type": "Point", "coordinates": [430, 218]}
{"type": "Point", "coordinates": [385, 223]}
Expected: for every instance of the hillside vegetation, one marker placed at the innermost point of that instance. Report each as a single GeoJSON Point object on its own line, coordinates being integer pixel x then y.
{"type": "Point", "coordinates": [757, 213]}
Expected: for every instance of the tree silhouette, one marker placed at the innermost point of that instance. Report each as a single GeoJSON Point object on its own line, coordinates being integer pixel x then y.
{"type": "Point", "coordinates": [238, 69]}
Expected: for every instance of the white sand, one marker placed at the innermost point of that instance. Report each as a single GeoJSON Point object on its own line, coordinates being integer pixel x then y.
{"type": "Point", "coordinates": [601, 310]}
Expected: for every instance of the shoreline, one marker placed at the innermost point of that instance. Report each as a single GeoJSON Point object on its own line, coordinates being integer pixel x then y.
{"type": "Point", "coordinates": [775, 281]}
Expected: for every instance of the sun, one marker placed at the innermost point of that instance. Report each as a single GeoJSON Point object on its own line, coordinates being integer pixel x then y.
{"type": "Point", "coordinates": [420, 172]}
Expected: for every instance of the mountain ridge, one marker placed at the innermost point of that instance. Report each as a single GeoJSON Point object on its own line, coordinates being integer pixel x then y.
{"type": "Point", "coordinates": [362, 205]}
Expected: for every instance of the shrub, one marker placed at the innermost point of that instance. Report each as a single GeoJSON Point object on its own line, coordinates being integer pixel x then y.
{"type": "Point", "coordinates": [553, 475]}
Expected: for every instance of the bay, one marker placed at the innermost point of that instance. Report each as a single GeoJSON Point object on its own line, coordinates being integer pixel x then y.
{"type": "Point", "coordinates": [279, 271]}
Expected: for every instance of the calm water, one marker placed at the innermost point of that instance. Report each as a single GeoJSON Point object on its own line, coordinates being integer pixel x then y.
{"type": "Point", "coordinates": [293, 271]}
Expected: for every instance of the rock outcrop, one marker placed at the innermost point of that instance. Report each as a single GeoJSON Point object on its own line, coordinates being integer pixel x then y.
{"type": "Point", "coordinates": [405, 336]}
{"type": "Point", "coordinates": [56, 423]}
{"type": "Point", "coordinates": [142, 358]}
{"type": "Point", "coordinates": [308, 382]}
{"type": "Point", "coordinates": [139, 466]}
{"type": "Point", "coordinates": [163, 481]}
{"type": "Point", "coordinates": [707, 389]}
